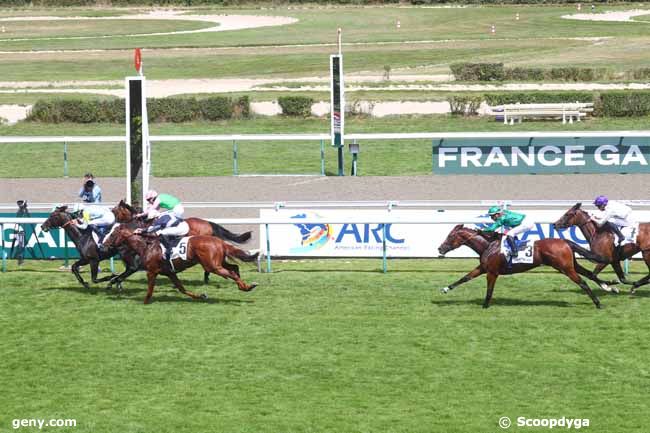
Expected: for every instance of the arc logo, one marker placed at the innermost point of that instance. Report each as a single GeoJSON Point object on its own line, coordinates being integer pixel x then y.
{"type": "Point", "coordinates": [314, 236]}
{"type": "Point", "coordinates": [354, 236]}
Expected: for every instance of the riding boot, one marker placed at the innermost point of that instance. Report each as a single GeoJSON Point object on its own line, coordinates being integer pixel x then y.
{"type": "Point", "coordinates": [166, 241]}
{"type": "Point", "coordinates": [617, 231]}
{"type": "Point", "coordinates": [512, 244]}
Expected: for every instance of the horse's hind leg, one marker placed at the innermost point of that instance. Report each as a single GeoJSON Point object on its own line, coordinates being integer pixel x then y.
{"type": "Point", "coordinates": [644, 280]}
{"type": "Point", "coordinates": [181, 289]}
{"type": "Point", "coordinates": [605, 285]}
{"type": "Point", "coordinates": [232, 268]}
{"type": "Point", "coordinates": [226, 273]}
{"type": "Point", "coordinates": [206, 277]}
{"type": "Point", "coordinates": [491, 279]}
{"type": "Point", "coordinates": [573, 276]}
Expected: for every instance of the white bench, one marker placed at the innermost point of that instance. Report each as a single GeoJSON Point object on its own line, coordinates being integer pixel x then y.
{"type": "Point", "coordinates": [566, 111]}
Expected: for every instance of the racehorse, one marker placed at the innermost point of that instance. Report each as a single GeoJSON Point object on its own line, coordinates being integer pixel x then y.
{"type": "Point", "coordinates": [601, 242]}
{"type": "Point", "coordinates": [557, 253]}
{"type": "Point", "coordinates": [88, 251]}
{"type": "Point", "coordinates": [209, 251]}
{"type": "Point", "coordinates": [124, 213]}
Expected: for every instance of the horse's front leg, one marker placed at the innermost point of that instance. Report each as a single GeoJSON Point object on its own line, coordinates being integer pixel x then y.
{"type": "Point", "coordinates": [151, 282]}
{"type": "Point", "coordinates": [491, 279]}
{"type": "Point", "coordinates": [75, 270]}
{"type": "Point", "coordinates": [179, 286]}
{"type": "Point", "coordinates": [471, 275]}
{"type": "Point", "coordinates": [616, 265]}
{"type": "Point", "coordinates": [94, 270]}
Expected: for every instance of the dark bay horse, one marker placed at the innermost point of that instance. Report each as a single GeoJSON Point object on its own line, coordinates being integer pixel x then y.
{"type": "Point", "coordinates": [208, 251]}
{"type": "Point", "coordinates": [557, 253]}
{"type": "Point", "coordinates": [601, 242]}
{"type": "Point", "coordinates": [88, 251]}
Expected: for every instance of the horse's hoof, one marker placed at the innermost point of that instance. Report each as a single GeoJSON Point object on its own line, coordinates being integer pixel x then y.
{"type": "Point", "coordinates": [605, 287]}
{"type": "Point", "coordinates": [86, 286]}
{"type": "Point", "coordinates": [444, 290]}
{"type": "Point", "coordinates": [599, 306]}
{"type": "Point", "coordinates": [253, 285]}
{"type": "Point", "coordinates": [615, 290]}
{"type": "Point", "coordinates": [486, 305]}
{"type": "Point", "coordinates": [203, 296]}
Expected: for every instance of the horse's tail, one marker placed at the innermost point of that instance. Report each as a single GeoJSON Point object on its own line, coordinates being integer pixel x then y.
{"type": "Point", "coordinates": [236, 253]}
{"type": "Point", "coordinates": [225, 234]}
{"type": "Point", "coordinates": [586, 253]}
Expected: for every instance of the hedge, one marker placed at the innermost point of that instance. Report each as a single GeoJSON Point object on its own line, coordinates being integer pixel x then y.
{"type": "Point", "coordinates": [159, 110]}
{"type": "Point", "coordinates": [538, 97]}
{"type": "Point", "coordinates": [296, 105]}
{"type": "Point", "coordinates": [624, 103]}
{"type": "Point", "coordinates": [497, 72]}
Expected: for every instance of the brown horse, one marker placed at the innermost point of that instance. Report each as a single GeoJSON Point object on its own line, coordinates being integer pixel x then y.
{"type": "Point", "coordinates": [557, 253]}
{"type": "Point", "coordinates": [124, 213]}
{"type": "Point", "coordinates": [209, 251]}
{"type": "Point", "coordinates": [601, 242]}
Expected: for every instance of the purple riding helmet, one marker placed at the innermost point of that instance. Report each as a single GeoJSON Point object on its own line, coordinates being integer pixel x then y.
{"type": "Point", "coordinates": [601, 200]}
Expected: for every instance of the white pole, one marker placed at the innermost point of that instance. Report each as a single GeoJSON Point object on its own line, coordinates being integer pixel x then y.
{"type": "Point", "coordinates": [339, 40]}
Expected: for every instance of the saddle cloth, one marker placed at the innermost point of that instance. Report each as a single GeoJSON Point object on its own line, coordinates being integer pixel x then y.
{"type": "Point", "coordinates": [525, 250]}
{"type": "Point", "coordinates": [179, 250]}
{"type": "Point", "coordinates": [630, 234]}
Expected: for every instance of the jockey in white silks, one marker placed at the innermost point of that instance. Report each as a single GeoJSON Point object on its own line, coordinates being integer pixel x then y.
{"type": "Point", "coordinates": [613, 214]}
{"type": "Point", "coordinates": [98, 217]}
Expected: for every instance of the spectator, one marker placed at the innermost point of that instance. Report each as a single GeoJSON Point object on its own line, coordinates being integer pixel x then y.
{"type": "Point", "coordinates": [90, 192]}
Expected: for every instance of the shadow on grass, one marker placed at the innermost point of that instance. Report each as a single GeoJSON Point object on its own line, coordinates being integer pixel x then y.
{"type": "Point", "coordinates": [137, 295]}
{"type": "Point", "coordinates": [496, 302]}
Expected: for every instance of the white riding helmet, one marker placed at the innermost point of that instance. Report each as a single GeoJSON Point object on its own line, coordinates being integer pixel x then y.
{"type": "Point", "coordinates": [150, 195]}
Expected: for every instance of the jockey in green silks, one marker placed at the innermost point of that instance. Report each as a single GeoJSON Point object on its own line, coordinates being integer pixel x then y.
{"type": "Point", "coordinates": [514, 223]}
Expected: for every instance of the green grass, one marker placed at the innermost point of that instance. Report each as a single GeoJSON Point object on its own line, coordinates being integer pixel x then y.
{"type": "Point", "coordinates": [462, 34]}
{"type": "Point", "coordinates": [377, 157]}
{"type": "Point", "coordinates": [322, 347]}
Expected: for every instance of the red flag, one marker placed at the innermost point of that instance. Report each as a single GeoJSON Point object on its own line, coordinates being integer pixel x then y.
{"type": "Point", "coordinates": [138, 61]}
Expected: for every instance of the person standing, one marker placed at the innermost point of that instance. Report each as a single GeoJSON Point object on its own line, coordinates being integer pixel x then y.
{"type": "Point", "coordinates": [90, 192]}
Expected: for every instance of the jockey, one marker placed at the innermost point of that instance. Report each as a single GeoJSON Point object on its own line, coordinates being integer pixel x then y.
{"type": "Point", "coordinates": [97, 217]}
{"type": "Point", "coordinates": [162, 203]}
{"type": "Point", "coordinates": [515, 223]}
{"type": "Point", "coordinates": [168, 226]}
{"type": "Point", "coordinates": [614, 215]}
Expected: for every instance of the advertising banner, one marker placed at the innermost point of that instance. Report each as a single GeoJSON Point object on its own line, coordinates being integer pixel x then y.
{"type": "Point", "coordinates": [542, 155]}
{"type": "Point", "coordinates": [37, 243]}
{"type": "Point", "coordinates": [313, 234]}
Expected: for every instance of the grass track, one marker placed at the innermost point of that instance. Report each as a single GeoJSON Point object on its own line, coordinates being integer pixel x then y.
{"type": "Point", "coordinates": [322, 346]}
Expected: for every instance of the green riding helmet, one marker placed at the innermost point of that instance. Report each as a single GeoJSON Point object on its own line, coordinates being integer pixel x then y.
{"type": "Point", "coordinates": [494, 210]}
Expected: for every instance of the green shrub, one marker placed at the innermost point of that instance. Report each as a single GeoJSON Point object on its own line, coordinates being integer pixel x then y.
{"type": "Point", "coordinates": [478, 71]}
{"type": "Point", "coordinates": [296, 105]}
{"type": "Point", "coordinates": [216, 108]}
{"type": "Point", "coordinates": [524, 74]}
{"type": "Point", "coordinates": [242, 107]}
{"type": "Point", "coordinates": [624, 103]}
{"type": "Point", "coordinates": [159, 110]}
{"type": "Point", "coordinates": [465, 105]}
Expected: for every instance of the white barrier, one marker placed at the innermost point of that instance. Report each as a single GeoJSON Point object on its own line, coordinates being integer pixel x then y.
{"type": "Point", "coordinates": [374, 204]}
